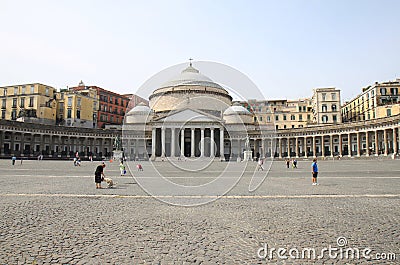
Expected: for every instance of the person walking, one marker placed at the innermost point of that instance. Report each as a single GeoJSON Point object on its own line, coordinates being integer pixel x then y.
{"type": "Point", "coordinates": [99, 175]}
{"type": "Point", "coordinates": [287, 162]}
{"type": "Point", "coordinates": [314, 168]}
{"type": "Point", "coordinates": [295, 163]}
{"type": "Point", "coordinates": [122, 168]}
{"type": "Point", "coordinates": [260, 164]}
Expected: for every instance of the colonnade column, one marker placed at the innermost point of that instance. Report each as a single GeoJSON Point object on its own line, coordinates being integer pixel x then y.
{"type": "Point", "coordinates": [202, 142]}
{"type": "Point", "coordinates": [272, 149]}
{"type": "Point", "coordinates": [305, 146]}
{"type": "Point", "coordinates": [358, 145]}
{"type": "Point", "coordinates": [376, 143]}
{"type": "Point", "coordinates": [212, 143]}
{"type": "Point", "coordinates": [314, 147]}
{"type": "Point", "coordinates": [394, 140]}
{"type": "Point", "coordinates": [192, 143]}
{"type": "Point", "coordinates": [280, 147]}
{"type": "Point", "coordinates": [153, 143]}
{"type": "Point", "coordinates": [331, 144]}
{"type": "Point", "coordinates": [263, 148]}
{"type": "Point", "coordinates": [182, 142]}
{"type": "Point", "coordinates": [322, 146]}
{"type": "Point", "coordinates": [2, 137]}
{"type": "Point", "coordinates": [163, 142]}
{"type": "Point", "coordinates": [340, 145]}
{"type": "Point", "coordinates": [172, 142]}
{"type": "Point", "coordinates": [367, 143]}
{"type": "Point", "coordinates": [288, 146]}
{"type": "Point", "coordinates": [385, 142]}
{"type": "Point", "coordinates": [297, 146]}
{"type": "Point", "coordinates": [221, 144]}
{"type": "Point", "coordinates": [349, 144]}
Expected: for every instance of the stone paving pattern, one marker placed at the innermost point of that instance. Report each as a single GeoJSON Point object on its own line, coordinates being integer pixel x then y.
{"type": "Point", "coordinates": [142, 230]}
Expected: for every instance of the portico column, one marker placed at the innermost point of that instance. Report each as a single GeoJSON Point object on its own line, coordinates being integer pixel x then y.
{"type": "Point", "coordinates": [394, 140]}
{"type": "Point", "coordinates": [202, 142]}
{"type": "Point", "coordinates": [182, 142]}
{"type": "Point", "coordinates": [163, 142]}
{"type": "Point", "coordinates": [349, 144]}
{"type": "Point", "coordinates": [153, 143]}
{"type": "Point", "coordinates": [2, 136]}
{"type": "Point", "coordinates": [272, 149]}
{"type": "Point", "coordinates": [323, 146]}
{"type": "Point", "coordinates": [297, 146]}
{"type": "Point", "coordinates": [221, 144]}
{"type": "Point", "coordinates": [280, 147]}
{"type": "Point", "coordinates": [263, 148]}
{"type": "Point", "coordinates": [367, 143]}
{"type": "Point", "coordinates": [172, 142]}
{"type": "Point", "coordinates": [136, 149]}
{"type": "Point", "coordinates": [314, 147]}
{"type": "Point", "coordinates": [192, 153]}
{"type": "Point", "coordinates": [331, 144]}
{"type": "Point", "coordinates": [288, 146]}
{"type": "Point", "coordinates": [212, 143]}
{"type": "Point", "coordinates": [305, 146]}
{"type": "Point", "coordinates": [376, 143]}
{"type": "Point", "coordinates": [358, 144]}
{"type": "Point", "coordinates": [385, 142]}
{"type": "Point", "coordinates": [340, 145]}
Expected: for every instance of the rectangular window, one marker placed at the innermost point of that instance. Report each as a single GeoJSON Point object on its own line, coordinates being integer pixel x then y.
{"type": "Point", "coordinates": [110, 109]}
{"type": "Point", "coordinates": [333, 96]}
{"type": "Point", "coordinates": [22, 103]}
{"type": "Point", "coordinates": [308, 117]}
{"type": "Point", "coordinates": [268, 119]}
{"type": "Point", "coordinates": [69, 101]}
{"type": "Point", "coordinates": [69, 113]}
{"type": "Point", "coordinates": [47, 91]}
{"type": "Point", "coordinates": [14, 114]}
{"type": "Point", "coordinates": [23, 90]}
{"type": "Point", "coordinates": [284, 117]}
{"type": "Point", "coordinates": [323, 96]}
{"type": "Point", "coordinates": [14, 102]}
{"type": "Point", "coordinates": [276, 117]}
{"type": "Point", "coordinates": [15, 91]}
{"type": "Point", "coordinates": [389, 112]}
{"type": "Point", "coordinates": [5, 92]}
{"type": "Point", "coordinates": [78, 114]}
{"type": "Point", "coordinates": [4, 103]}
{"type": "Point", "coordinates": [3, 114]}
{"type": "Point", "coordinates": [32, 89]}
{"type": "Point", "coordinates": [334, 118]}
{"type": "Point", "coordinates": [78, 103]}
{"type": "Point", "coordinates": [292, 118]}
{"type": "Point", "coordinates": [300, 117]}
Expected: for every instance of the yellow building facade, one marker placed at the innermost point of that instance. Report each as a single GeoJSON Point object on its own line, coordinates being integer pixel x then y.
{"type": "Point", "coordinates": [77, 108]}
{"type": "Point", "coordinates": [28, 102]}
{"type": "Point", "coordinates": [376, 101]}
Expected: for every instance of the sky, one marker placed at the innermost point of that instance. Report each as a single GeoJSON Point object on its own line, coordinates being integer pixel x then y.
{"type": "Point", "coordinates": [287, 48]}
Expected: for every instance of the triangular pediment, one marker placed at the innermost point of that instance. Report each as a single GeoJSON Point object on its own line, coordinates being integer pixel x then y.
{"type": "Point", "coordinates": [188, 115]}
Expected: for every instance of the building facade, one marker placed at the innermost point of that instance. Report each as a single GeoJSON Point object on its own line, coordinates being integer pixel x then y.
{"type": "Point", "coordinates": [77, 108]}
{"type": "Point", "coordinates": [112, 106]}
{"type": "Point", "coordinates": [377, 101]}
{"type": "Point", "coordinates": [326, 106]}
{"type": "Point", "coordinates": [29, 102]}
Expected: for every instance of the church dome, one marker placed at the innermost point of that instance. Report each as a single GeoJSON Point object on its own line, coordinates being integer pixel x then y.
{"type": "Point", "coordinates": [236, 109]}
{"type": "Point", "coordinates": [191, 77]}
{"type": "Point", "coordinates": [237, 114]}
{"type": "Point", "coordinates": [190, 89]}
{"type": "Point", "coordinates": [139, 114]}
{"type": "Point", "coordinates": [140, 109]}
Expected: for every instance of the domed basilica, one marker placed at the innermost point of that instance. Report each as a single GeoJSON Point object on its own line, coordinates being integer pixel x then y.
{"type": "Point", "coordinates": [189, 116]}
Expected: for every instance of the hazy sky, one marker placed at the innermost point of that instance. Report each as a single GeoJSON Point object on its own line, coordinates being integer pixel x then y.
{"type": "Point", "coordinates": [286, 48]}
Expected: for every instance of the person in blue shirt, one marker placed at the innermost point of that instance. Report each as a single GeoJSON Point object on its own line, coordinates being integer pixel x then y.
{"type": "Point", "coordinates": [314, 168]}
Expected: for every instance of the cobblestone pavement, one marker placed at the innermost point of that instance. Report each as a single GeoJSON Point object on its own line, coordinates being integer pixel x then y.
{"type": "Point", "coordinates": [52, 213]}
